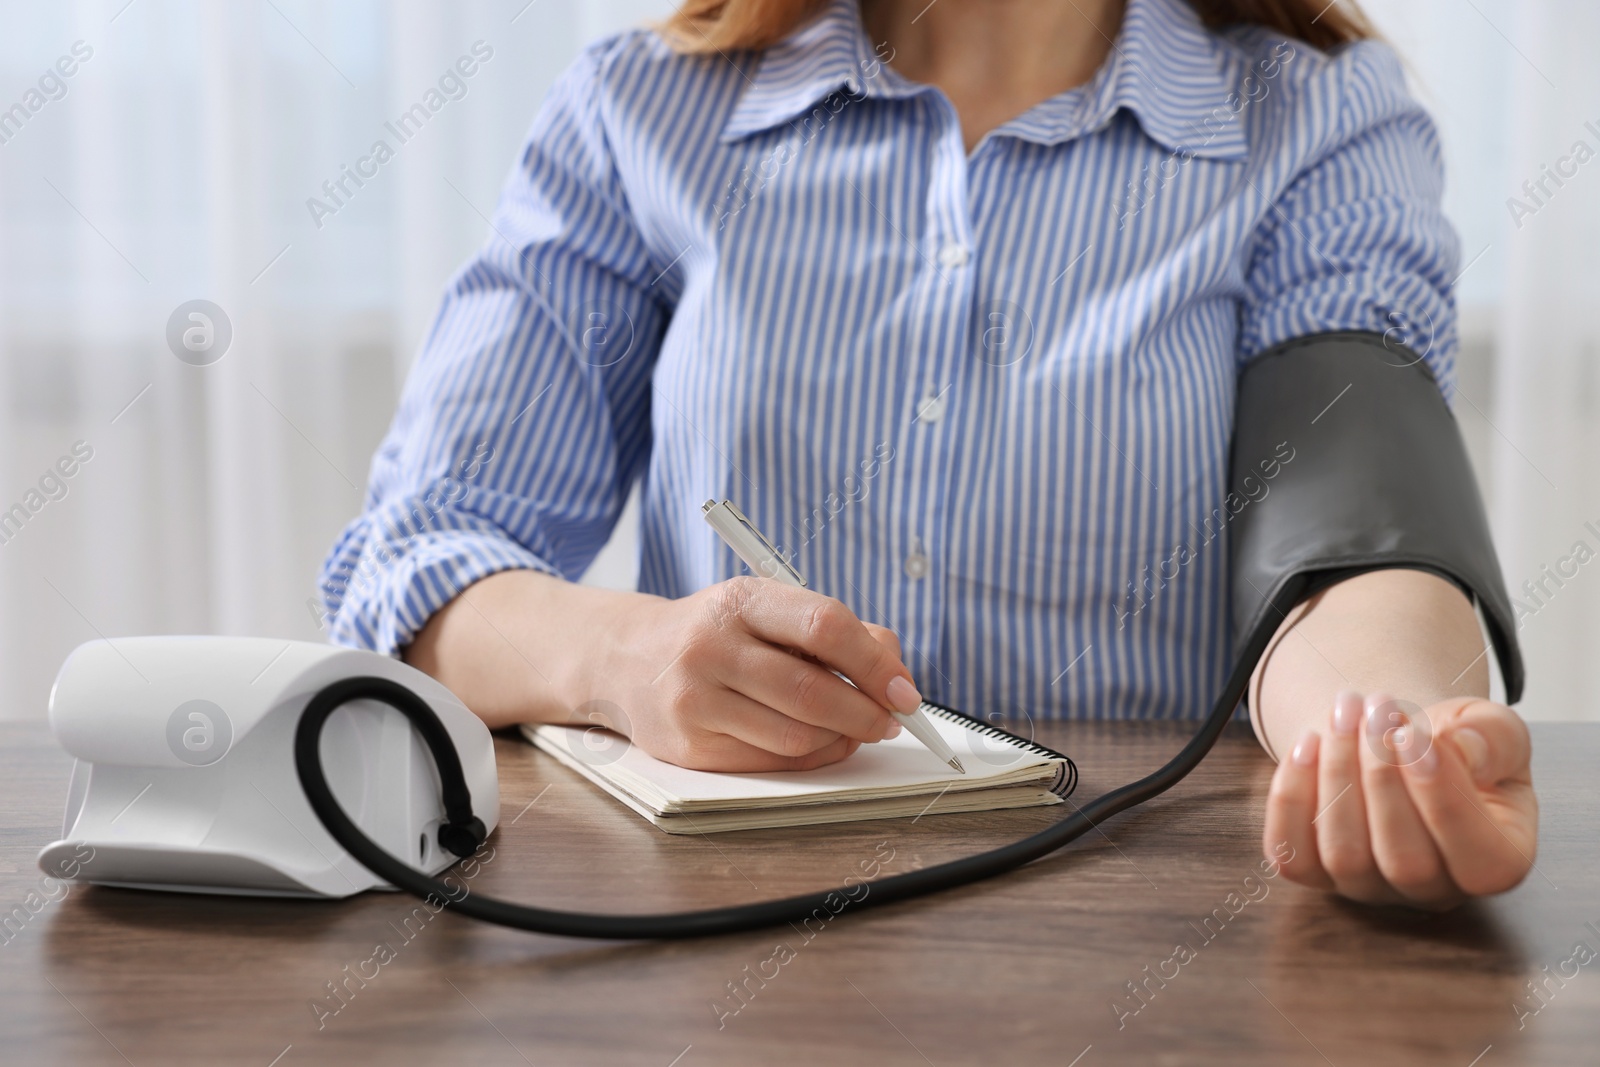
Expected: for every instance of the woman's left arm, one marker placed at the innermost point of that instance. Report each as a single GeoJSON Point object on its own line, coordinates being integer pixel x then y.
{"type": "Point", "coordinates": [1382, 811]}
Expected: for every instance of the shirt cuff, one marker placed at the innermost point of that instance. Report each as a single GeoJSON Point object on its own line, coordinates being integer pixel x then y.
{"type": "Point", "coordinates": [378, 593]}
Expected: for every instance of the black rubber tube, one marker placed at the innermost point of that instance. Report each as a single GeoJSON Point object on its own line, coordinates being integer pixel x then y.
{"type": "Point", "coordinates": [459, 835]}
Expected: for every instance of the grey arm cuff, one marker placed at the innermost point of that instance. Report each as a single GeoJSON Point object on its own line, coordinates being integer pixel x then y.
{"type": "Point", "coordinates": [1378, 478]}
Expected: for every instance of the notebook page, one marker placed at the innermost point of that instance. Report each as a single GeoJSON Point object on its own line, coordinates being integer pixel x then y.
{"type": "Point", "coordinates": [900, 767]}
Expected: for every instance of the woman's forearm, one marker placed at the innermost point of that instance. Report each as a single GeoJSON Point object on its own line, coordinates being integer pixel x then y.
{"type": "Point", "coordinates": [1407, 632]}
{"type": "Point", "coordinates": [512, 646]}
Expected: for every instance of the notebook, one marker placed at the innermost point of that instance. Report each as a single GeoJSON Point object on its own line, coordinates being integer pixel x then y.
{"type": "Point", "coordinates": [891, 779]}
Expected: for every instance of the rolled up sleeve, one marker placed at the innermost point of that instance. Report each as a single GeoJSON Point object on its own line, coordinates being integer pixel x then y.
{"type": "Point", "coordinates": [1357, 239]}
{"type": "Point", "coordinates": [525, 419]}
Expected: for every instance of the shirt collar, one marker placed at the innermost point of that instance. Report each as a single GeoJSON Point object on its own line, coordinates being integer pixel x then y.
{"type": "Point", "coordinates": [1165, 67]}
{"type": "Point", "coordinates": [831, 54]}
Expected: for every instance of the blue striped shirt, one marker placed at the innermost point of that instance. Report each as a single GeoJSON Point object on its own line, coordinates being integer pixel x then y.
{"type": "Point", "coordinates": [984, 398]}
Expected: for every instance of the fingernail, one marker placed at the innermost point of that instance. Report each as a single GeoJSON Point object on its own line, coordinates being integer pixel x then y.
{"type": "Point", "coordinates": [903, 696]}
{"type": "Point", "coordinates": [1426, 765]}
{"type": "Point", "coordinates": [1473, 748]}
{"type": "Point", "coordinates": [893, 731]}
{"type": "Point", "coordinates": [1346, 712]}
{"type": "Point", "coordinates": [1305, 753]}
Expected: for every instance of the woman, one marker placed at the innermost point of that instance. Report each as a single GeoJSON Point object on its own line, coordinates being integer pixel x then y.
{"type": "Point", "coordinates": [951, 299]}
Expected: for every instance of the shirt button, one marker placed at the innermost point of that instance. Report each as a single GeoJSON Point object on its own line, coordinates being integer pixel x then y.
{"type": "Point", "coordinates": [931, 407]}
{"type": "Point", "coordinates": [916, 563]}
{"type": "Point", "coordinates": [954, 255]}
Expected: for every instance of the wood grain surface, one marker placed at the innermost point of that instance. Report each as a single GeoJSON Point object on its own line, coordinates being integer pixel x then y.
{"type": "Point", "coordinates": [1029, 968]}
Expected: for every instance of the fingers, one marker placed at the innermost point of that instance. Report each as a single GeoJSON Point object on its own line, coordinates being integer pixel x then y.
{"type": "Point", "coordinates": [722, 752]}
{"type": "Point", "coordinates": [1402, 846]}
{"type": "Point", "coordinates": [1394, 805]}
{"type": "Point", "coordinates": [885, 637]}
{"type": "Point", "coordinates": [809, 696]}
{"type": "Point", "coordinates": [1289, 837]}
{"type": "Point", "coordinates": [754, 723]}
{"type": "Point", "coordinates": [1492, 738]}
{"type": "Point", "coordinates": [1343, 844]}
{"type": "Point", "coordinates": [823, 627]}
{"type": "Point", "coordinates": [754, 687]}
{"type": "Point", "coordinates": [1486, 836]}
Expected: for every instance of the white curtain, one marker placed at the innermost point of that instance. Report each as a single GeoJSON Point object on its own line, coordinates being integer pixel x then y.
{"type": "Point", "coordinates": [1548, 395]}
{"type": "Point", "coordinates": [175, 164]}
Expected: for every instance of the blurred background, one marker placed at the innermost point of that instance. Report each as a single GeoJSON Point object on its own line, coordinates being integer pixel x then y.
{"type": "Point", "coordinates": [175, 161]}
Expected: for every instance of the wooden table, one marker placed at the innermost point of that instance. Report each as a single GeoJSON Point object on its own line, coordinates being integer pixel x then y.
{"type": "Point", "coordinates": [1026, 969]}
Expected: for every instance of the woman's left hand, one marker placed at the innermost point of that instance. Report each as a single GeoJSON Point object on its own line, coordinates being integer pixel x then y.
{"type": "Point", "coordinates": [1424, 813]}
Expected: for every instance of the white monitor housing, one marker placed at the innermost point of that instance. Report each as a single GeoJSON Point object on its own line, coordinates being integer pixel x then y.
{"type": "Point", "coordinates": [185, 779]}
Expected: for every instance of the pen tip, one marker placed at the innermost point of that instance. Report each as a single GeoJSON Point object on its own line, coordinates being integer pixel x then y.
{"type": "Point", "coordinates": [957, 765]}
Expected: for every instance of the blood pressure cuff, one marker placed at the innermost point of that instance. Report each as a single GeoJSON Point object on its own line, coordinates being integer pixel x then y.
{"type": "Point", "coordinates": [1346, 459]}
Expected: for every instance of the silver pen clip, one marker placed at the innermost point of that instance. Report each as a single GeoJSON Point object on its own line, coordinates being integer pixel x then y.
{"type": "Point", "coordinates": [771, 549]}
{"type": "Point", "coordinates": [767, 549]}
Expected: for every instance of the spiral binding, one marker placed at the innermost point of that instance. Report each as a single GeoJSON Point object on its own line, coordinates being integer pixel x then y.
{"type": "Point", "coordinates": [1066, 779]}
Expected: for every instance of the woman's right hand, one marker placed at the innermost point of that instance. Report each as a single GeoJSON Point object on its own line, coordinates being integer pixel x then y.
{"type": "Point", "coordinates": [740, 677]}
{"type": "Point", "coordinates": [737, 677]}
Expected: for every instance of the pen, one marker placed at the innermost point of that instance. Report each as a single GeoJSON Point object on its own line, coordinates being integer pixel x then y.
{"type": "Point", "coordinates": [751, 546]}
